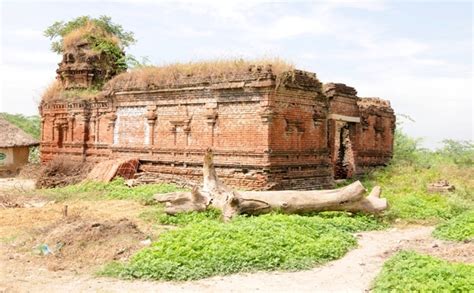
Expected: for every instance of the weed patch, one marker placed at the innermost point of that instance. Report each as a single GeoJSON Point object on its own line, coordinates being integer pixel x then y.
{"type": "Point", "coordinates": [183, 219]}
{"type": "Point", "coordinates": [204, 246]}
{"type": "Point", "coordinates": [460, 228]}
{"type": "Point", "coordinates": [412, 272]}
{"type": "Point", "coordinates": [404, 186]}
{"type": "Point", "coordinates": [113, 190]}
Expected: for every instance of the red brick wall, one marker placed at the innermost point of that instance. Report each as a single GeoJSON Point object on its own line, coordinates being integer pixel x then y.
{"type": "Point", "coordinates": [265, 134]}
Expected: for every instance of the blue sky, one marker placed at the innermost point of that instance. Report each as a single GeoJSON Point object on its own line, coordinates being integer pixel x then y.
{"type": "Point", "coordinates": [416, 54]}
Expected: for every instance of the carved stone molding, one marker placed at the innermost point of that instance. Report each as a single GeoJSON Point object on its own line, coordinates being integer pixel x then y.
{"type": "Point", "coordinates": [293, 126]}
{"type": "Point", "coordinates": [181, 123]}
{"type": "Point", "coordinates": [211, 115]}
{"type": "Point", "coordinates": [266, 114]}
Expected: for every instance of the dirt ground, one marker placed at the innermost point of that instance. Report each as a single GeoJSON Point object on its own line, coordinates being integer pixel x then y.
{"type": "Point", "coordinates": [9, 184]}
{"type": "Point", "coordinates": [96, 232]}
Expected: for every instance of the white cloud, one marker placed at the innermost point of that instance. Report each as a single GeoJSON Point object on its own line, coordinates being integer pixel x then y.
{"type": "Point", "coordinates": [22, 88]}
{"type": "Point", "coordinates": [30, 57]}
{"type": "Point", "coordinates": [422, 77]}
{"type": "Point", "coordinates": [291, 26]}
{"type": "Point", "coordinates": [440, 106]}
{"type": "Point", "coordinates": [26, 33]}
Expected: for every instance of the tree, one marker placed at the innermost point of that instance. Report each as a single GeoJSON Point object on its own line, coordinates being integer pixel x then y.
{"type": "Point", "coordinates": [103, 36]}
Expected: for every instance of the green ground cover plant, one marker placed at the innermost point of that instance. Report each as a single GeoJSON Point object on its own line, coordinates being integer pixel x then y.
{"type": "Point", "coordinates": [113, 190]}
{"type": "Point", "coordinates": [412, 272]}
{"type": "Point", "coordinates": [204, 246]}
{"type": "Point", "coordinates": [460, 228]}
{"type": "Point", "coordinates": [405, 180]}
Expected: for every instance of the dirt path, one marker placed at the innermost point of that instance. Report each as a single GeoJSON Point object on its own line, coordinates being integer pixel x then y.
{"type": "Point", "coordinates": [16, 184]}
{"type": "Point", "coordinates": [352, 273]}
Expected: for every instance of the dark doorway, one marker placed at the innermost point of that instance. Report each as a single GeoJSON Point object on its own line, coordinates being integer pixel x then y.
{"type": "Point", "coordinates": [344, 163]}
{"type": "Point", "coordinates": [60, 136]}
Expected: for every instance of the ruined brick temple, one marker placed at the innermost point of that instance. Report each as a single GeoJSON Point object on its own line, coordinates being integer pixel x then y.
{"type": "Point", "coordinates": [267, 130]}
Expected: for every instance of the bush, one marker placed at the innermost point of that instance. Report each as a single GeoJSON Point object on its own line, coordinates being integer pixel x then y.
{"type": "Point", "coordinates": [412, 272]}
{"type": "Point", "coordinates": [204, 246]}
{"type": "Point", "coordinates": [407, 149]}
{"type": "Point", "coordinates": [460, 228]}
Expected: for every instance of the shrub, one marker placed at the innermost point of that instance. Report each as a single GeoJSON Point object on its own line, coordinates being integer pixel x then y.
{"type": "Point", "coordinates": [459, 152]}
{"type": "Point", "coordinates": [412, 272]}
{"type": "Point", "coordinates": [460, 228]}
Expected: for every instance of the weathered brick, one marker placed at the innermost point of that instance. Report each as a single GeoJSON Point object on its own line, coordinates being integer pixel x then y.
{"type": "Point", "coordinates": [266, 132]}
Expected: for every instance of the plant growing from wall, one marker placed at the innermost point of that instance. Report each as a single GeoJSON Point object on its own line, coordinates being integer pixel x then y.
{"type": "Point", "coordinates": [102, 35]}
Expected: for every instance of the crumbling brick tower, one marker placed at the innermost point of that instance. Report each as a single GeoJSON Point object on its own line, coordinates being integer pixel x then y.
{"type": "Point", "coordinates": [267, 130]}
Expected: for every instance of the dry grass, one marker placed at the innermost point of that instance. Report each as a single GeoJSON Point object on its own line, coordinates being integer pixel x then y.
{"type": "Point", "coordinates": [149, 77]}
{"type": "Point", "coordinates": [213, 70]}
{"type": "Point", "coordinates": [61, 171]}
{"type": "Point", "coordinates": [72, 39]}
{"type": "Point", "coordinates": [53, 91]}
{"type": "Point", "coordinates": [23, 229]}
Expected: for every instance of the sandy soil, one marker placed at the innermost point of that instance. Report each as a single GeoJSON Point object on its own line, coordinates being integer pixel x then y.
{"type": "Point", "coordinates": [16, 184]}
{"type": "Point", "coordinates": [352, 273]}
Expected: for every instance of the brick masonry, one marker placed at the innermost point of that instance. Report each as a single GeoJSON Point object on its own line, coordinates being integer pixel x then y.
{"type": "Point", "coordinates": [266, 131]}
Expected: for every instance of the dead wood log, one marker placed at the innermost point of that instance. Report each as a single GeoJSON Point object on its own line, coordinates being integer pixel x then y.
{"type": "Point", "coordinates": [214, 193]}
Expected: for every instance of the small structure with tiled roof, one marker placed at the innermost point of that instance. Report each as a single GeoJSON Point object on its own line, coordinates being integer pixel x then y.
{"type": "Point", "coordinates": [14, 147]}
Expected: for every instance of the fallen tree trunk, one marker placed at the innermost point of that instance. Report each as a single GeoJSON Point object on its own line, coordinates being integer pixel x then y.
{"type": "Point", "coordinates": [214, 193]}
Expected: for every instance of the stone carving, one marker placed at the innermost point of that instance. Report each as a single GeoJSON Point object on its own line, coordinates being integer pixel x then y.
{"type": "Point", "coordinates": [82, 67]}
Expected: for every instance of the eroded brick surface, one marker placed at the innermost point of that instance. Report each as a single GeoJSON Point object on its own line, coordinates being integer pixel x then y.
{"type": "Point", "coordinates": [267, 132]}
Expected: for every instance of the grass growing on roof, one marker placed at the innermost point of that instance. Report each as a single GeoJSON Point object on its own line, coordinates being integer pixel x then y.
{"type": "Point", "coordinates": [460, 228]}
{"type": "Point", "coordinates": [142, 78]}
{"type": "Point", "coordinates": [203, 246]}
{"type": "Point", "coordinates": [56, 92]}
{"type": "Point", "coordinates": [413, 272]}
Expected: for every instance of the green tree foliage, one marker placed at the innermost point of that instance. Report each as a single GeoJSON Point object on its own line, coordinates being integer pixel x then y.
{"type": "Point", "coordinates": [460, 152]}
{"type": "Point", "coordinates": [59, 29]}
{"type": "Point", "coordinates": [102, 39]}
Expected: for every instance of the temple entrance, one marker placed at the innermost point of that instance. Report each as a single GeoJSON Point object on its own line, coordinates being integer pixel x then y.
{"type": "Point", "coordinates": [344, 166]}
